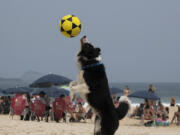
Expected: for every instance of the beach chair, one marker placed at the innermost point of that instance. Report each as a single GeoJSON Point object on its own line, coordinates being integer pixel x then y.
{"type": "Point", "coordinates": [37, 108]}
{"type": "Point", "coordinates": [70, 108]}
{"type": "Point", "coordinates": [69, 105]}
{"type": "Point", "coordinates": [18, 104]}
{"type": "Point", "coordinates": [59, 107]}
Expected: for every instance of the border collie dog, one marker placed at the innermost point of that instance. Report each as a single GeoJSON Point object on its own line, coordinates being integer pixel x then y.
{"type": "Point", "coordinates": [92, 85]}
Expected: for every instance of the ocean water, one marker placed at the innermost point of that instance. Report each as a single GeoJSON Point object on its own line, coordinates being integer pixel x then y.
{"type": "Point", "coordinates": [164, 90]}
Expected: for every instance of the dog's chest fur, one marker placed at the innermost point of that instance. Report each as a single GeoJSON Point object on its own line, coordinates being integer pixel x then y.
{"type": "Point", "coordinates": [80, 80]}
{"type": "Point", "coordinates": [97, 84]}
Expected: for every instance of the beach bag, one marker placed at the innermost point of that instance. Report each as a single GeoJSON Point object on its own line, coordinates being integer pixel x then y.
{"type": "Point", "coordinates": [149, 123]}
{"type": "Point", "coordinates": [18, 104]}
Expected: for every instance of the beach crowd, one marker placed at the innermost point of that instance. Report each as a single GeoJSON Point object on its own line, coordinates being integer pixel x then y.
{"type": "Point", "coordinates": [41, 108]}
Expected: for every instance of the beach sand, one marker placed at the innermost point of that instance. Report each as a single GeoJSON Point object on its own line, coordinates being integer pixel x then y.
{"type": "Point", "coordinates": [127, 127]}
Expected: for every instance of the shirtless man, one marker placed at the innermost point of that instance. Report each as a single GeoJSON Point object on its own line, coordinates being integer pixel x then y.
{"type": "Point", "coordinates": [177, 115]}
{"type": "Point", "coordinates": [126, 91]}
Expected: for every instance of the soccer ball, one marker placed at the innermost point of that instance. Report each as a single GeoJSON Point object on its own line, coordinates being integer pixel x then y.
{"type": "Point", "coordinates": [70, 26]}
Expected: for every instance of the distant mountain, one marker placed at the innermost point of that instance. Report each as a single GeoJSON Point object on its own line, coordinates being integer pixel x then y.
{"type": "Point", "coordinates": [12, 82]}
{"type": "Point", "coordinates": [26, 79]}
{"type": "Point", "coordinates": [31, 76]}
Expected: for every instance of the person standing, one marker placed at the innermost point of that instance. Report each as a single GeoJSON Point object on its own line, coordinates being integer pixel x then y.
{"type": "Point", "coordinates": [151, 88]}
{"type": "Point", "coordinates": [25, 115]}
{"type": "Point", "coordinates": [62, 96]}
{"type": "Point", "coordinates": [176, 116]}
{"type": "Point", "coordinates": [126, 91]}
{"type": "Point", "coordinates": [173, 103]}
{"type": "Point", "coordinates": [45, 100]}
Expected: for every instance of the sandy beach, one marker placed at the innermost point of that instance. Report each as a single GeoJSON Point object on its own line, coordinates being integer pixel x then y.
{"type": "Point", "coordinates": [127, 127]}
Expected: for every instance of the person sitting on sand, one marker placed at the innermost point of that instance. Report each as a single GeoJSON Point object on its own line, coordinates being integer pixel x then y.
{"type": "Point", "coordinates": [176, 116]}
{"type": "Point", "coordinates": [138, 111]}
{"type": "Point", "coordinates": [167, 112]}
{"type": "Point", "coordinates": [165, 119]}
{"type": "Point", "coordinates": [80, 113]}
{"type": "Point", "coordinates": [148, 112]}
{"type": "Point", "coordinates": [158, 120]}
{"type": "Point", "coordinates": [173, 103]}
{"type": "Point", "coordinates": [161, 109]}
{"type": "Point", "coordinates": [1, 105]}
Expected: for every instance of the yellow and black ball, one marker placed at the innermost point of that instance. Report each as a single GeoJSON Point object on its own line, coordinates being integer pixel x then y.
{"type": "Point", "coordinates": [70, 26]}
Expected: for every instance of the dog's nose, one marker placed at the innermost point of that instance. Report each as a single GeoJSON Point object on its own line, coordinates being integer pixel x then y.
{"type": "Point", "coordinates": [84, 36]}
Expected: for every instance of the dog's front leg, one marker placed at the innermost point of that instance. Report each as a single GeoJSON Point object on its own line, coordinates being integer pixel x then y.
{"type": "Point", "coordinates": [97, 125]}
{"type": "Point", "coordinates": [72, 91]}
{"type": "Point", "coordinates": [81, 88]}
{"type": "Point", "coordinates": [75, 87]}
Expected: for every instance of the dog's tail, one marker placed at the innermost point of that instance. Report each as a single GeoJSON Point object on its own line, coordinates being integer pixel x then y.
{"type": "Point", "coordinates": [124, 107]}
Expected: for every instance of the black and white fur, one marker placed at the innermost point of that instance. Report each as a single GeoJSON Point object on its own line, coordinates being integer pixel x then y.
{"type": "Point", "coordinates": [92, 85]}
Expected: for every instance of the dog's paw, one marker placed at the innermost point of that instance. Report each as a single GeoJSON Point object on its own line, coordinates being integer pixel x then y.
{"type": "Point", "coordinates": [71, 95]}
{"type": "Point", "coordinates": [73, 83]}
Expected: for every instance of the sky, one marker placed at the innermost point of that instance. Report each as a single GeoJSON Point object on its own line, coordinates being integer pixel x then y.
{"type": "Point", "coordinates": [139, 40]}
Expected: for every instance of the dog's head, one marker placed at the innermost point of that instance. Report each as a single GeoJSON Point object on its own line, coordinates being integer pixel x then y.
{"type": "Point", "coordinates": [88, 53]}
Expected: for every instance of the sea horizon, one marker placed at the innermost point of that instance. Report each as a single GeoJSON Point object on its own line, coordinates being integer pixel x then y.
{"type": "Point", "coordinates": [165, 90]}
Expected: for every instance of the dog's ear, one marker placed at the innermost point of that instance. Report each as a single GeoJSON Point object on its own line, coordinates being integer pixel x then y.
{"type": "Point", "coordinates": [80, 53]}
{"type": "Point", "coordinates": [98, 50]}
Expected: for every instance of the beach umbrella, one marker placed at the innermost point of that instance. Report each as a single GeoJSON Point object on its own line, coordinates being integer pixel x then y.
{"type": "Point", "coordinates": [51, 92]}
{"type": "Point", "coordinates": [144, 95]}
{"type": "Point", "coordinates": [16, 90]}
{"type": "Point", "coordinates": [66, 87]}
{"type": "Point", "coordinates": [114, 90]}
{"type": "Point", "coordinates": [50, 80]}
